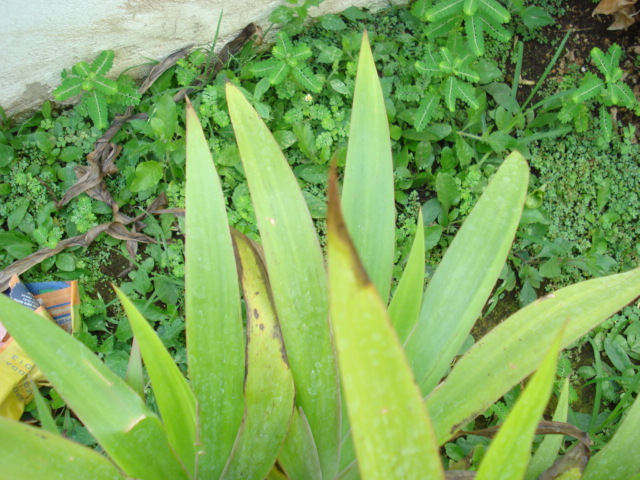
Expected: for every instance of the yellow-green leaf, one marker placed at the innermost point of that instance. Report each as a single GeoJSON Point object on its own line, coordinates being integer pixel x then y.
{"type": "Point", "coordinates": [114, 414]}
{"type": "Point", "coordinates": [297, 275]}
{"type": "Point", "coordinates": [175, 399]}
{"type": "Point", "coordinates": [509, 452]}
{"type": "Point", "coordinates": [269, 391]}
{"type": "Point", "coordinates": [405, 305]}
{"type": "Point", "coordinates": [513, 349]}
{"type": "Point", "coordinates": [29, 453]}
{"type": "Point", "coordinates": [392, 433]}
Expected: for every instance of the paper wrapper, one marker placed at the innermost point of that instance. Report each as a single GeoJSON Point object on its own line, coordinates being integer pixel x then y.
{"type": "Point", "coordinates": [57, 301]}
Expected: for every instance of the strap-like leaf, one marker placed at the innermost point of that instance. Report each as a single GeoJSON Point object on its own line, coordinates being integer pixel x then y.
{"type": "Point", "coordinates": [114, 414]}
{"type": "Point", "coordinates": [369, 206]}
{"type": "Point", "coordinates": [297, 275]}
{"type": "Point", "coordinates": [620, 458]}
{"type": "Point", "coordinates": [175, 399]}
{"type": "Point", "coordinates": [513, 349]}
{"type": "Point", "coordinates": [299, 455]}
{"type": "Point", "coordinates": [269, 391]}
{"type": "Point", "coordinates": [215, 336]}
{"type": "Point", "coordinates": [472, 265]}
{"type": "Point", "coordinates": [513, 441]}
{"type": "Point", "coordinates": [405, 305]}
{"type": "Point", "coordinates": [391, 430]}
{"type": "Point", "coordinates": [30, 453]}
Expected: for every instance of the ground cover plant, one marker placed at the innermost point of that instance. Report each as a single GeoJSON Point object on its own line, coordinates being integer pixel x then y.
{"type": "Point", "coordinates": [442, 162]}
{"type": "Point", "coordinates": [280, 400]}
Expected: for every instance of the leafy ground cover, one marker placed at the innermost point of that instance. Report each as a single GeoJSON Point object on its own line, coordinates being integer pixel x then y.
{"type": "Point", "coordinates": [453, 114]}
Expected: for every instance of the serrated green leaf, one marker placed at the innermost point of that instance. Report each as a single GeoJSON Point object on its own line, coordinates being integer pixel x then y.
{"type": "Point", "coordinates": [300, 53]}
{"type": "Point", "coordinates": [470, 7]}
{"type": "Point", "coordinates": [426, 110]}
{"type": "Point", "coordinates": [450, 91]}
{"type": "Point", "coordinates": [279, 73]}
{"type": "Point", "coordinates": [96, 105]}
{"type": "Point", "coordinates": [467, 94]}
{"type": "Point", "coordinates": [444, 9]}
{"type": "Point", "coordinates": [622, 94]}
{"type": "Point", "coordinates": [440, 28]}
{"type": "Point", "coordinates": [590, 86]}
{"type": "Point", "coordinates": [105, 85]}
{"type": "Point", "coordinates": [103, 62]}
{"type": "Point", "coordinates": [70, 87]}
{"type": "Point", "coordinates": [496, 31]}
{"type": "Point", "coordinates": [307, 79]}
{"type": "Point", "coordinates": [473, 27]}
{"type": "Point", "coordinates": [81, 69]}
{"type": "Point", "coordinates": [495, 11]}
{"type": "Point", "coordinates": [600, 60]}
{"type": "Point", "coordinates": [606, 124]}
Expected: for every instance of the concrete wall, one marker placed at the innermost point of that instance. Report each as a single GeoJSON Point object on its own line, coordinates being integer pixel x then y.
{"type": "Point", "coordinates": [40, 38]}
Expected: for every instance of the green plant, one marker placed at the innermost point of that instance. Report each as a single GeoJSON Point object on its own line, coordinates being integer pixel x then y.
{"type": "Point", "coordinates": [288, 59]}
{"type": "Point", "coordinates": [98, 91]}
{"type": "Point", "coordinates": [230, 424]}
{"type": "Point", "coordinates": [479, 17]}
{"type": "Point", "coordinates": [592, 89]}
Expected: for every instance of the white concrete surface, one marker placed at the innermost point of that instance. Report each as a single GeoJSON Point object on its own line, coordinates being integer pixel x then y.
{"type": "Point", "coordinates": [40, 38]}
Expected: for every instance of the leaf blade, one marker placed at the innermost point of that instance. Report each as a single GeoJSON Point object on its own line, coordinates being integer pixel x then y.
{"type": "Point", "coordinates": [212, 299]}
{"type": "Point", "coordinates": [368, 206]}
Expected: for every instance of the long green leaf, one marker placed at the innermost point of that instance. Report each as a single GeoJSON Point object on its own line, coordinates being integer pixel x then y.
{"type": "Point", "coordinates": [215, 337]}
{"type": "Point", "coordinates": [548, 450]}
{"type": "Point", "coordinates": [509, 452]}
{"type": "Point", "coordinates": [513, 349]}
{"type": "Point", "coordinates": [175, 399]}
{"type": "Point", "coordinates": [620, 458]}
{"type": "Point", "coordinates": [391, 430]}
{"type": "Point", "coordinates": [269, 390]}
{"type": "Point", "coordinates": [297, 275]}
{"type": "Point", "coordinates": [404, 308]}
{"type": "Point", "coordinates": [465, 278]}
{"type": "Point", "coordinates": [367, 196]}
{"type": "Point", "coordinates": [30, 453]}
{"type": "Point", "coordinates": [115, 415]}
{"type": "Point", "coordinates": [299, 455]}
